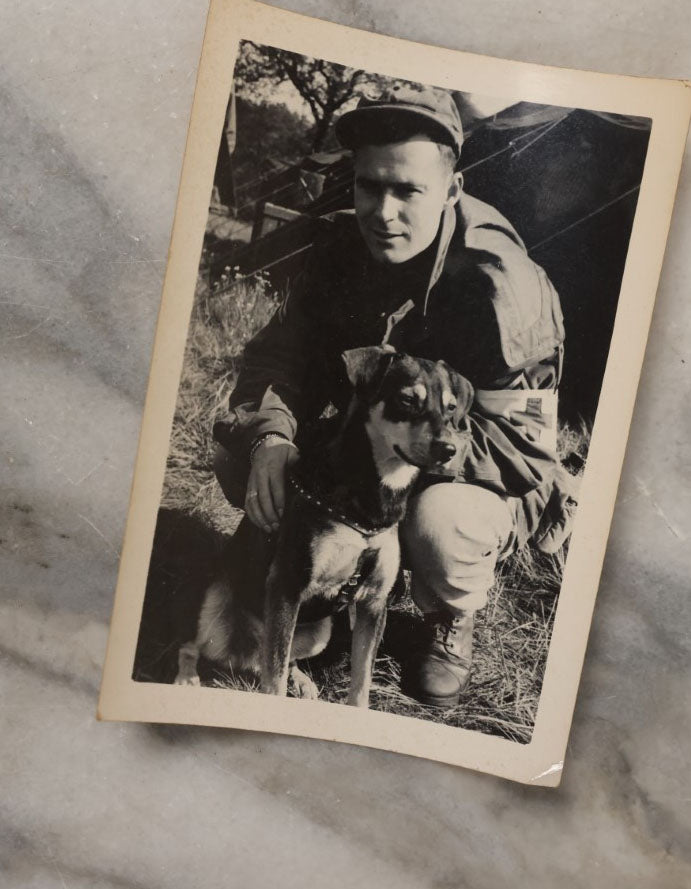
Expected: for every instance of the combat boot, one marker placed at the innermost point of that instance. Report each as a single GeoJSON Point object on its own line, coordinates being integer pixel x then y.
{"type": "Point", "coordinates": [439, 670]}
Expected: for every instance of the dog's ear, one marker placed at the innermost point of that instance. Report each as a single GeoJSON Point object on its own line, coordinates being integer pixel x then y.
{"type": "Point", "coordinates": [366, 368]}
{"type": "Point", "coordinates": [463, 391]}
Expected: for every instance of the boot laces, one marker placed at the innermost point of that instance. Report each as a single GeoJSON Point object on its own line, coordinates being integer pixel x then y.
{"type": "Point", "coordinates": [444, 628]}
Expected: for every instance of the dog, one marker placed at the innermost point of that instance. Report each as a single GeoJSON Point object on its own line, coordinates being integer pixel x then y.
{"type": "Point", "coordinates": [337, 544]}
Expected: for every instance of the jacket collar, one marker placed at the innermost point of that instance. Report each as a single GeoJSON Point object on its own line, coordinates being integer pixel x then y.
{"type": "Point", "coordinates": [446, 229]}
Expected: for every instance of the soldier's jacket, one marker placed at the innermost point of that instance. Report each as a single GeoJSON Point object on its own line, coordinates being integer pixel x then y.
{"type": "Point", "coordinates": [474, 299]}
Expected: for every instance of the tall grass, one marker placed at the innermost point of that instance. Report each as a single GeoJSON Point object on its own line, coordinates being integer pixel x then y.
{"type": "Point", "coordinates": [512, 633]}
{"type": "Point", "coordinates": [223, 320]}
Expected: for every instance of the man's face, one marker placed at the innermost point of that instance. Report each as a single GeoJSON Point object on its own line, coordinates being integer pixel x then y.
{"type": "Point", "coordinates": [400, 191]}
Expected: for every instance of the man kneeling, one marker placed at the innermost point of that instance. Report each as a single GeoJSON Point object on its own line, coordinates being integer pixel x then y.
{"type": "Point", "coordinates": [431, 271]}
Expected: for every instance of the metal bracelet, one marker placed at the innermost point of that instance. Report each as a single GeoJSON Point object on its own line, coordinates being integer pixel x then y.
{"type": "Point", "coordinates": [262, 438]}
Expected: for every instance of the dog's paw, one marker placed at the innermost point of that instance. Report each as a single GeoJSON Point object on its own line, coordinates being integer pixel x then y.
{"type": "Point", "coordinates": [187, 679]}
{"type": "Point", "coordinates": [301, 686]}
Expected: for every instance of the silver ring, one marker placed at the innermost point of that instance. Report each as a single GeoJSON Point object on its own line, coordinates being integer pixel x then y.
{"type": "Point", "coordinates": [252, 495]}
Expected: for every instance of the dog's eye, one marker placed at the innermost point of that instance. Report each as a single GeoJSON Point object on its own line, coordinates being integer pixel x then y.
{"type": "Point", "coordinates": [409, 404]}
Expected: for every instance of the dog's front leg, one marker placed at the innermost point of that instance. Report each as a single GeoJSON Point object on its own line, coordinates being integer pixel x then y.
{"type": "Point", "coordinates": [281, 611]}
{"type": "Point", "coordinates": [370, 618]}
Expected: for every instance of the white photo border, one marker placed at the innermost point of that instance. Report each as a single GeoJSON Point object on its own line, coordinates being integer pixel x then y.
{"type": "Point", "coordinates": [668, 104]}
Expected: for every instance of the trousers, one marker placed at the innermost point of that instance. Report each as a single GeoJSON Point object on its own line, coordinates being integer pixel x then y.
{"type": "Point", "coordinates": [452, 538]}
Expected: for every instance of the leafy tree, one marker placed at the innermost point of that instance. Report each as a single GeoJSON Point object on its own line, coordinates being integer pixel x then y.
{"type": "Point", "coordinates": [267, 137]}
{"type": "Point", "coordinates": [324, 86]}
{"type": "Point", "coordinates": [266, 133]}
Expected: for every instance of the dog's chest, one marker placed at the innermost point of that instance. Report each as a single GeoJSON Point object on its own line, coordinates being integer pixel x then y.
{"type": "Point", "coordinates": [340, 555]}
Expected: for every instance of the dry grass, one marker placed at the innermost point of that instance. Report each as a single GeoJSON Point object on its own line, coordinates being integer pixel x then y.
{"type": "Point", "coordinates": [222, 322]}
{"type": "Point", "coordinates": [512, 634]}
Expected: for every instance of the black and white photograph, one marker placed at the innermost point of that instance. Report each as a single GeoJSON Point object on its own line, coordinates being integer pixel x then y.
{"type": "Point", "coordinates": [393, 363]}
{"type": "Point", "coordinates": [403, 315]}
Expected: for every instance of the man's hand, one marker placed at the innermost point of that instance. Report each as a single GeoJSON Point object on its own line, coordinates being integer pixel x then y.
{"type": "Point", "coordinates": [266, 484]}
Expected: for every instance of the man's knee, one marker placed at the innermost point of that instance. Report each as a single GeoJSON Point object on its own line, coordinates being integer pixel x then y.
{"type": "Point", "coordinates": [452, 537]}
{"type": "Point", "coordinates": [461, 522]}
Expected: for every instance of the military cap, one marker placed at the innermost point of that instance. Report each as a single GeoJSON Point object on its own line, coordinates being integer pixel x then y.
{"type": "Point", "coordinates": [402, 110]}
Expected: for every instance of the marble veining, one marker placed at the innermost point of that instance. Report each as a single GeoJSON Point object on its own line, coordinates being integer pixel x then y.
{"type": "Point", "coordinates": [94, 104]}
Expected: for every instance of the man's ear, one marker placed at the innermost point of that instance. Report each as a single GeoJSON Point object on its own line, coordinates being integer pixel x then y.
{"type": "Point", "coordinates": [366, 368]}
{"type": "Point", "coordinates": [463, 391]}
{"type": "Point", "coordinates": [455, 189]}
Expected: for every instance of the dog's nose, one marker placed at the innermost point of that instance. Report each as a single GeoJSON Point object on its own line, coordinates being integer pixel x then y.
{"type": "Point", "coordinates": [442, 451]}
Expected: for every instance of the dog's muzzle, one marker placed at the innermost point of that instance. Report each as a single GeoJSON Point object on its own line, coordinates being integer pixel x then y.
{"type": "Point", "coordinates": [442, 451]}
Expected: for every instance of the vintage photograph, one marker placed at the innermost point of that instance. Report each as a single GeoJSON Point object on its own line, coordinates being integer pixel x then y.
{"type": "Point", "coordinates": [402, 318]}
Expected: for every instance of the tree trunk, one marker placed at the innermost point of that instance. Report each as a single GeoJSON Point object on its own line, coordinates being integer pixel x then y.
{"type": "Point", "coordinates": [321, 131]}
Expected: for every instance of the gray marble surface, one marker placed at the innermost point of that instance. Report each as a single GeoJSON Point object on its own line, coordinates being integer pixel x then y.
{"type": "Point", "coordinates": [95, 99]}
